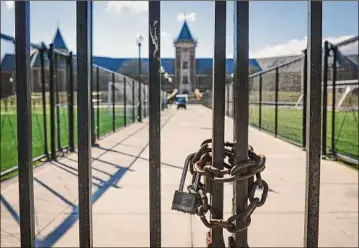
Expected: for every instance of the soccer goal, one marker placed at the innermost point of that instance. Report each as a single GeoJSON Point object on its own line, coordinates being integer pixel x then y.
{"type": "Point", "coordinates": [346, 95]}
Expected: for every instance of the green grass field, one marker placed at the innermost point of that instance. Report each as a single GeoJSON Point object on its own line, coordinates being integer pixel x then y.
{"type": "Point", "coordinates": [290, 127]}
{"type": "Point", "coordinates": [8, 131]}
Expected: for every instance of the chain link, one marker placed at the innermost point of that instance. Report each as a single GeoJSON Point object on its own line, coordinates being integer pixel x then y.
{"type": "Point", "coordinates": [201, 163]}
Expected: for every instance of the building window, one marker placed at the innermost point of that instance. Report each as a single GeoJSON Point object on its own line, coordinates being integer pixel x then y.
{"type": "Point", "coordinates": [185, 65]}
{"type": "Point", "coordinates": [185, 80]}
{"type": "Point", "coordinates": [185, 49]}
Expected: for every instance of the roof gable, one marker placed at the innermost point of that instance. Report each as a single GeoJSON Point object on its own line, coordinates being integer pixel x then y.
{"type": "Point", "coordinates": [58, 41]}
{"type": "Point", "coordinates": [185, 34]}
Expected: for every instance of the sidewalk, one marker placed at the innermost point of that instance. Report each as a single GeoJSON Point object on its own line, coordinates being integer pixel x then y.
{"type": "Point", "coordinates": [121, 198]}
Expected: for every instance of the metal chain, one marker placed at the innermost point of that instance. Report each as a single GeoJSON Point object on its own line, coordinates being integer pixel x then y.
{"type": "Point", "coordinates": [200, 163]}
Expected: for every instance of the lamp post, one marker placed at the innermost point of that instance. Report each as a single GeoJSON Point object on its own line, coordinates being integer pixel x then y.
{"type": "Point", "coordinates": [139, 43]}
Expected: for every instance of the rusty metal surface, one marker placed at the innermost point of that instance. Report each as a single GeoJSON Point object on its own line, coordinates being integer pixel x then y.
{"type": "Point", "coordinates": [84, 69]}
{"type": "Point", "coordinates": [154, 123]}
{"type": "Point", "coordinates": [241, 108]}
{"type": "Point", "coordinates": [201, 164]}
{"type": "Point", "coordinates": [218, 114]}
{"type": "Point", "coordinates": [313, 147]}
{"type": "Point", "coordinates": [24, 135]}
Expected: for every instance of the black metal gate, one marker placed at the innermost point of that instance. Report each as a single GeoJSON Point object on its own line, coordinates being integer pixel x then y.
{"type": "Point", "coordinates": [241, 105]}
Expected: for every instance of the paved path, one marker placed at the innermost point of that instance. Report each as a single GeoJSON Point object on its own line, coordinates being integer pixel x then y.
{"type": "Point", "coordinates": [120, 192]}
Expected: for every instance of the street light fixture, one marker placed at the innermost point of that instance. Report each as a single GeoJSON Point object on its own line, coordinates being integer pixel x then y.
{"type": "Point", "coordinates": [166, 75]}
{"type": "Point", "coordinates": [139, 41]}
{"type": "Point", "coordinates": [170, 80]}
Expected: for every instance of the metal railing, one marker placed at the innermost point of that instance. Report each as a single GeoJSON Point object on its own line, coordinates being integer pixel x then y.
{"type": "Point", "coordinates": [277, 101]}
{"type": "Point", "coordinates": [54, 103]}
{"type": "Point", "coordinates": [241, 113]}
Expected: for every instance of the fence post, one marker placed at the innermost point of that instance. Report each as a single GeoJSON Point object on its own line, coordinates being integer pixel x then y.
{"type": "Point", "coordinates": [113, 103]}
{"type": "Point", "coordinates": [304, 85]}
{"type": "Point", "coordinates": [241, 111]}
{"type": "Point", "coordinates": [57, 102]}
{"type": "Point", "coordinates": [276, 101]}
{"type": "Point", "coordinates": [70, 95]}
{"type": "Point", "coordinates": [260, 101]}
{"type": "Point", "coordinates": [144, 102]}
{"type": "Point", "coordinates": [218, 114]}
{"type": "Point", "coordinates": [312, 190]}
{"type": "Point", "coordinates": [93, 126]}
{"type": "Point", "coordinates": [325, 98]}
{"type": "Point", "coordinates": [155, 122]}
{"type": "Point", "coordinates": [24, 130]}
{"type": "Point", "coordinates": [84, 69]}
{"type": "Point", "coordinates": [334, 79]}
{"type": "Point", "coordinates": [133, 102]}
{"type": "Point", "coordinates": [227, 112]}
{"type": "Point", "coordinates": [52, 102]}
{"type": "Point", "coordinates": [98, 101]}
{"type": "Point", "coordinates": [124, 101]}
{"type": "Point", "coordinates": [42, 64]}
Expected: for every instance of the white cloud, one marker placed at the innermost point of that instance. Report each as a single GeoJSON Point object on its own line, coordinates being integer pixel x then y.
{"type": "Point", "coordinates": [135, 7]}
{"type": "Point", "coordinates": [292, 47]}
{"type": "Point", "coordinates": [190, 17]}
{"type": "Point", "coordinates": [10, 4]}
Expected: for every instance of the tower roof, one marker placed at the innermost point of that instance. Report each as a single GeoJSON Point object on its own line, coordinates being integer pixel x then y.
{"type": "Point", "coordinates": [58, 41]}
{"type": "Point", "coordinates": [185, 34]}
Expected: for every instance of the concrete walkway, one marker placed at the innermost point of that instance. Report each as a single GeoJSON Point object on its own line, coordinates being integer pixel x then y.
{"type": "Point", "coordinates": [121, 198]}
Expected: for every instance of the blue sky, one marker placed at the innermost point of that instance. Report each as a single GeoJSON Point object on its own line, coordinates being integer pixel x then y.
{"type": "Point", "coordinates": [276, 27]}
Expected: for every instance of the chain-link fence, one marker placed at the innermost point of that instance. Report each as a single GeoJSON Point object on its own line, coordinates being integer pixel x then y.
{"type": "Point", "coordinates": [277, 101]}
{"type": "Point", "coordinates": [342, 100]}
{"type": "Point", "coordinates": [115, 103]}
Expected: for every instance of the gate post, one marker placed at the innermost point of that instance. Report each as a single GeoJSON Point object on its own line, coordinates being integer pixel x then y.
{"type": "Point", "coordinates": [84, 69]}
{"type": "Point", "coordinates": [314, 53]}
{"type": "Point", "coordinates": [276, 101]}
{"type": "Point", "coordinates": [218, 114]}
{"type": "Point", "coordinates": [24, 130]}
{"type": "Point", "coordinates": [241, 111]}
{"type": "Point", "coordinates": [52, 102]}
{"type": "Point", "coordinates": [334, 79]}
{"type": "Point", "coordinates": [325, 98]}
{"type": "Point", "coordinates": [42, 64]}
{"type": "Point", "coordinates": [305, 86]}
{"type": "Point", "coordinates": [70, 95]}
{"type": "Point", "coordinates": [154, 58]}
{"type": "Point", "coordinates": [98, 101]}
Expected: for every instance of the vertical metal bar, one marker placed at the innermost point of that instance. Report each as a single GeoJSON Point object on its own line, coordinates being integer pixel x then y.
{"type": "Point", "coordinates": [42, 64]}
{"type": "Point", "coordinates": [133, 101]}
{"type": "Point", "coordinates": [52, 102]}
{"type": "Point", "coordinates": [24, 125]}
{"type": "Point", "coordinates": [144, 102]}
{"type": "Point", "coordinates": [305, 86]}
{"type": "Point", "coordinates": [93, 126]}
{"type": "Point", "coordinates": [218, 114]}
{"type": "Point", "coordinates": [260, 101]}
{"type": "Point", "coordinates": [227, 112]}
{"type": "Point", "coordinates": [139, 84]}
{"type": "Point", "coordinates": [155, 122]}
{"type": "Point", "coordinates": [71, 103]}
{"type": "Point", "coordinates": [311, 223]}
{"type": "Point", "coordinates": [334, 79]}
{"type": "Point", "coordinates": [84, 69]}
{"type": "Point", "coordinates": [113, 103]}
{"type": "Point", "coordinates": [276, 101]}
{"type": "Point", "coordinates": [241, 108]}
{"type": "Point", "coordinates": [98, 101]}
{"type": "Point", "coordinates": [58, 120]}
{"type": "Point", "coordinates": [124, 102]}
{"type": "Point", "coordinates": [325, 98]}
